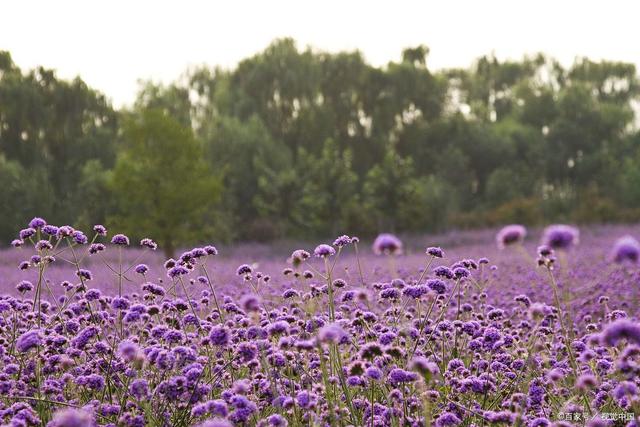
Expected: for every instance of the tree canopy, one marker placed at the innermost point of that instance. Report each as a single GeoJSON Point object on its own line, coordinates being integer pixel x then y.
{"type": "Point", "coordinates": [304, 143]}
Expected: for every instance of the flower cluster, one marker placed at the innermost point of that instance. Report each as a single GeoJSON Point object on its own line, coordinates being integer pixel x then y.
{"type": "Point", "coordinates": [338, 338]}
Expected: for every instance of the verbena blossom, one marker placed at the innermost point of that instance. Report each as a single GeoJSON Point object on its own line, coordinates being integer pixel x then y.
{"type": "Point", "coordinates": [387, 244]}
{"type": "Point", "coordinates": [510, 235]}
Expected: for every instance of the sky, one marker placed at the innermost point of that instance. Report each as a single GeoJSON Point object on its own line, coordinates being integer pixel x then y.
{"type": "Point", "coordinates": [112, 45]}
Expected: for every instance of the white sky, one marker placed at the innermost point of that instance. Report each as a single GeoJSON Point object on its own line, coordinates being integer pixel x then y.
{"type": "Point", "coordinates": [114, 43]}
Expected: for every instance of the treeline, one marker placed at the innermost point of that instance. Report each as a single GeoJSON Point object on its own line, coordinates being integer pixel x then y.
{"type": "Point", "coordinates": [307, 144]}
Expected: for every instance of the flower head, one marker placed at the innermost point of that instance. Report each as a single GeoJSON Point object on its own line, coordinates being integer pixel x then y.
{"type": "Point", "coordinates": [387, 244]}
{"type": "Point", "coordinates": [28, 340]}
{"type": "Point", "coordinates": [342, 241]}
{"type": "Point", "coordinates": [148, 243]}
{"type": "Point", "coordinates": [331, 333]}
{"type": "Point", "coordinates": [71, 417]}
{"type": "Point", "coordinates": [560, 236]}
{"type": "Point", "coordinates": [120, 239]}
{"type": "Point", "coordinates": [626, 249]}
{"type": "Point", "coordinates": [324, 251]}
{"type": "Point", "coordinates": [621, 329]}
{"type": "Point", "coordinates": [435, 252]}
{"type": "Point", "coordinates": [510, 234]}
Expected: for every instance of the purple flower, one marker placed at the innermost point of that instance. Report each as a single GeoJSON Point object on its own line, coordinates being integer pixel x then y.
{"type": "Point", "coordinates": [560, 236]}
{"type": "Point", "coordinates": [120, 239]}
{"type": "Point", "coordinates": [435, 252]}
{"type": "Point", "coordinates": [37, 223]}
{"type": "Point", "coordinates": [219, 336]}
{"type": "Point", "coordinates": [71, 417]}
{"type": "Point", "coordinates": [437, 285]}
{"type": "Point", "coordinates": [621, 329]}
{"type": "Point", "coordinates": [447, 419]}
{"type": "Point", "coordinates": [139, 389]}
{"type": "Point", "coordinates": [100, 230]}
{"type": "Point", "coordinates": [331, 333]}
{"type": "Point", "coordinates": [211, 250]}
{"type": "Point", "coordinates": [443, 271]}
{"type": "Point", "coordinates": [626, 249]}
{"type": "Point", "coordinates": [94, 248]}
{"type": "Point", "coordinates": [510, 235]}
{"type": "Point", "coordinates": [24, 286]}
{"type": "Point", "coordinates": [244, 270]}
{"type": "Point", "coordinates": [216, 422]}
{"type": "Point", "coordinates": [177, 271]}
{"type": "Point", "coordinates": [84, 274]}
{"type": "Point", "coordinates": [50, 230]}
{"type": "Point", "coordinates": [148, 243]}
{"type": "Point", "coordinates": [141, 268]}
{"type": "Point", "coordinates": [387, 244]}
{"type": "Point", "coordinates": [342, 241]}
{"type": "Point", "coordinates": [26, 233]}
{"type": "Point", "coordinates": [65, 231]}
{"type": "Point", "coordinates": [324, 251]}
{"type": "Point", "coordinates": [28, 340]}
{"type": "Point", "coordinates": [79, 237]}
{"type": "Point", "coordinates": [461, 272]}
{"type": "Point", "coordinates": [298, 256]}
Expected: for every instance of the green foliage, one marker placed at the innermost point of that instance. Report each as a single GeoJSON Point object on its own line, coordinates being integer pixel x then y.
{"type": "Point", "coordinates": [162, 186]}
{"type": "Point", "coordinates": [305, 144]}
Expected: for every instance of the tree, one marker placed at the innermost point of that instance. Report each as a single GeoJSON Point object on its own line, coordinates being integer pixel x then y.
{"type": "Point", "coordinates": [329, 193]}
{"type": "Point", "coordinates": [162, 184]}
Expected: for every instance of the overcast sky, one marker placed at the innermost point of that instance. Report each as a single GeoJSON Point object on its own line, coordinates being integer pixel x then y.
{"type": "Point", "coordinates": [114, 43]}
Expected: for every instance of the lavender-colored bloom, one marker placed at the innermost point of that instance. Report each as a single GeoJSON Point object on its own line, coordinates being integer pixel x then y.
{"type": "Point", "coordinates": [65, 231]}
{"type": "Point", "coordinates": [437, 285]}
{"type": "Point", "coordinates": [50, 230]}
{"type": "Point", "coordinates": [621, 329]}
{"type": "Point", "coordinates": [324, 251]}
{"type": "Point", "coordinates": [626, 249]}
{"type": "Point", "coordinates": [447, 419]}
{"type": "Point", "coordinates": [43, 245]}
{"type": "Point", "coordinates": [120, 239]}
{"type": "Point", "coordinates": [211, 250]}
{"type": "Point", "coordinates": [560, 236]}
{"type": "Point", "coordinates": [219, 336]}
{"type": "Point", "coordinates": [71, 417]}
{"type": "Point", "coordinates": [216, 422]}
{"type": "Point", "coordinates": [244, 270]}
{"type": "Point", "coordinates": [94, 248]}
{"type": "Point", "coordinates": [277, 420]}
{"type": "Point", "coordinates": [510, 235]}
{"type": "Point", "coordinates": [139, 388]}
{"type": "Point", "coordinates": [28, 340]}
{"type": "Point", "coordinates": [461, 272]}
{"type": "Point", "coordinates": [79, 237]}
{"type": "Point", "coordinates": [141, 268]}
{"type": "Point", "coordinates": [37, 223]}
{"type": "Point", "coordinates": [16, 243]}
{"type": "Point", "coordinates": [435, 252]}
{"type": "Point", "coordinates": [148, 243]}
{"type": "Point", "coordinates": [26, 233]}
{"type": "Point", "coordinates": [443, 271]}
{"type": "Point", "coordinates": [342, 241]}
{"type": "Point", "coordinates": [387, 244]}
{"type": "Point", "coordinates": [100, 230]}
{"type": "Point", "coordinates": [24, 286]}
{"type": "Point", "coordinates": [331, 333]}
{"type": "Point", "coordinates": [177, 271]}
{"type": "Point", "coordinates": [84, 274]}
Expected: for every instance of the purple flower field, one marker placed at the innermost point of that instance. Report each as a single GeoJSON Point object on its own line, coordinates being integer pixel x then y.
{"type": "Point", "coordinates": [494, 327]}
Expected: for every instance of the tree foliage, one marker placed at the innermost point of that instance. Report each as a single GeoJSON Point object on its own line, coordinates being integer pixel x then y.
{"type": "Point", "coordinates": [303, 143]}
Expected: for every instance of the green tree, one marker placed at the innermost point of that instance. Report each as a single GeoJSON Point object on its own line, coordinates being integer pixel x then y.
{"type": "Point", "coordinates": [329, 194]}
{"type": "Point", "coordinates": [162, 185]}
